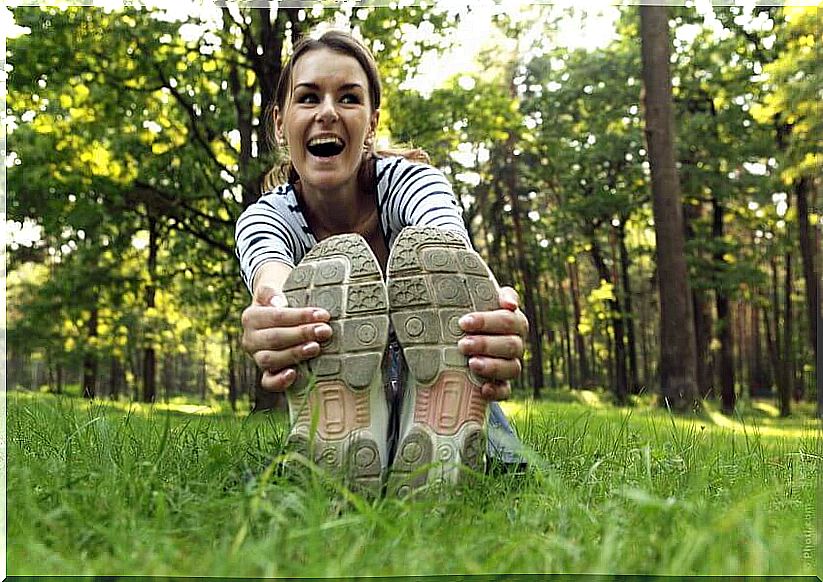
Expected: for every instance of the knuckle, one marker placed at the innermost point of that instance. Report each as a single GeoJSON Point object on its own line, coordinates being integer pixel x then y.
{"type": "Point", "coordinates": [245, 317]}
{"type": "Point", "coordinates": [519, 347]}
{"type": "Point", "coordinates": [261, 359]}
{"type": "Point", "coordinates": [308, 333]}
{"type": "Point", "coordinates": [512, 347]}
{"type": "Point", "coordinates": [295, 355]}
{"type": "Point", "coordinates": [267, 360]}
{"type": "Point", "coordinates": [279, 383]}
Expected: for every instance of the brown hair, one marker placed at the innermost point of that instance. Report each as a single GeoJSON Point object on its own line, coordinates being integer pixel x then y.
{"type": "Point", "coordinates": [344, 43]}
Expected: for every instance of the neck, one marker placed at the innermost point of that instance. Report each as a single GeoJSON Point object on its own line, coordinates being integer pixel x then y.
{"type": "Point", "coordinates": [330, 213]}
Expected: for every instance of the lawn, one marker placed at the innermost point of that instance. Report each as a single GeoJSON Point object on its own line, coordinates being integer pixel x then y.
{"type": "Point", "coordinates": [118, 489]}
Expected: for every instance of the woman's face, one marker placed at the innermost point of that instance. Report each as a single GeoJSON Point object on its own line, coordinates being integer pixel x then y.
{"type": "Point", "coordinates": [326, 120]}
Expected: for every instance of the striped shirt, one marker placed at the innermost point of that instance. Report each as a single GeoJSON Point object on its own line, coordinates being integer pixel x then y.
{"type": "Point", "coordinates": [408, 194]}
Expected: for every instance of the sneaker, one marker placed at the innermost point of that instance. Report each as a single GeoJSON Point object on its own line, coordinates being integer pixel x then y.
{"type": "Point", "coordinates": [434, 279]}
{"type": "Point", "coordinates": [338, 410]}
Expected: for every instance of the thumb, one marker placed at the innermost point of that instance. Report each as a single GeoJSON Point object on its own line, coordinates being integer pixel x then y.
{"type": "Point", "coordinates": [268, 296]}
{"type": "Point", "coordinates": [509, 299]}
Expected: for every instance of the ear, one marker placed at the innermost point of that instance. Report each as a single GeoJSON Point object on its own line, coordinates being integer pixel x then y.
{"type": "Point", "coordinates": [278, 126]}
{"type": "Point", "coordinates": [375, 118]}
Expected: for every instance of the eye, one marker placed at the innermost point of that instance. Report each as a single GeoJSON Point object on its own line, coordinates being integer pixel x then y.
{"type": "Point", "coordinates": [306, 98]}
{"type": "Point", "coordinates": [350, 98]}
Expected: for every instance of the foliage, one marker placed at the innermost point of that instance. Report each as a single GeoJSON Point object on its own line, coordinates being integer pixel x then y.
{"type": "Point", "coordinates": [131, 121]}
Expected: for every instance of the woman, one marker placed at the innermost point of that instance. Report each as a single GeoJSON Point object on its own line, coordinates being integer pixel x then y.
{"type": "Point", "coordinates": [340, 193]}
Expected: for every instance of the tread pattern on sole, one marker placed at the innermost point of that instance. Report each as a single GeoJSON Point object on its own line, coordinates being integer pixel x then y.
{"type": "Point", "coordinates": [434, 279]}
{"type": "Point", "coordinates": [347, 405]}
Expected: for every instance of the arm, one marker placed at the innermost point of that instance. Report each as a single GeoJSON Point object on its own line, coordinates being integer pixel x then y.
{"type": "Point", "coordinates": [276, 336]}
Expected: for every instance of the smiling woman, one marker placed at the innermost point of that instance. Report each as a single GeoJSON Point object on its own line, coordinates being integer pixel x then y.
{"type": "Point", "coordinates": [314, 252]}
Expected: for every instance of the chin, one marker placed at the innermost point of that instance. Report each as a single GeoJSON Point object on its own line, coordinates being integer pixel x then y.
{"type": "Point", "coordinates": [329, 177]}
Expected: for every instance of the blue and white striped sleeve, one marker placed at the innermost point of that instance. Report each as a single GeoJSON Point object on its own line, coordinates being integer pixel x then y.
{"type": "Point", "coordinates": [264, 234]}
{"type": "Point", "coordinates": [414, 194]}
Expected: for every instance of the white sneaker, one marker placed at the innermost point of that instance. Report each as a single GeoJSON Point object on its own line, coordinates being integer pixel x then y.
{"type": "Point", "coordinates": [434, 279]}
{"type": "Point", "coordinates": [340, 419]}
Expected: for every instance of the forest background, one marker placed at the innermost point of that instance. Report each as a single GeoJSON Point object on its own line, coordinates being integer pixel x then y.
{"type": "Point", "coordinates": [135, 139]}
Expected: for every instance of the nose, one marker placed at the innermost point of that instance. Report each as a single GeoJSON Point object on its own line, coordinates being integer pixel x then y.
{"type": "Point", "coordinates": [326, 111]}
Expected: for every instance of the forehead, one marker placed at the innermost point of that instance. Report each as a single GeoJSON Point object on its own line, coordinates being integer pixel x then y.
{"type": "Point", "coordinates": [325, 66]}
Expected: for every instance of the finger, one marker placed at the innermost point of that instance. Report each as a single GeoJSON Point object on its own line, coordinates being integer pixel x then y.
{"type": "Point", "coordinates": [509, 299]}
{"type": "Point", "coordinates": [278, 382]}
{"type": "Point", "coordinates": [281, 338]}
{"type": "Point", "coordinates": [260, 317]}
{"type": "Point", "coordinates": [499, 321]}
{"type": "Point", "coordinates": [509, 347]}
{"type": "Point", "coordinates": [495, 368]}
{"type": "Point", "coordinates": [496, 390]}
{"type": "Point", "coordinates": [276, 360]}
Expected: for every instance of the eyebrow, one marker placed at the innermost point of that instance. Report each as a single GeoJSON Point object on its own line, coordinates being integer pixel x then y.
{"type": "Point", "coordinates": [315, 86]}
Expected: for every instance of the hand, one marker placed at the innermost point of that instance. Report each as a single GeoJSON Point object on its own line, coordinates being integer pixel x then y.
{"type": "Point", "coordinates": [279, 337]}
{"type": "Point", "coordinates": [494, 343]}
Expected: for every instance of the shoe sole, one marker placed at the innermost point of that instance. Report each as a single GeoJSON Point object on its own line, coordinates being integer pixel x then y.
{"type": "Point", "coordinates": [341, 421]}
{"type": "Point", "coordinates": [434, 279]}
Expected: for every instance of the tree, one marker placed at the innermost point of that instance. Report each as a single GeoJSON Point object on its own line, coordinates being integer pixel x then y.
{"type": "Point", "coordinates": [678, 380]}
{"type": "Point", "coordinates": [137, 123]}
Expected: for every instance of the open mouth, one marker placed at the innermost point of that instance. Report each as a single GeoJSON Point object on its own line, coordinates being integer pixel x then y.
{"type": "Point", "coordinates": [325, 147]}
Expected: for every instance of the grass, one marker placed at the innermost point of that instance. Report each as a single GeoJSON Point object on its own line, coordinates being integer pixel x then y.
{"type": "Point", "coordinates": [115, 489]}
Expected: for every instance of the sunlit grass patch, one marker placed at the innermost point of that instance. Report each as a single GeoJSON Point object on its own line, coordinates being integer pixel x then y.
{"type": "Point", "coordinates": [95, 489]}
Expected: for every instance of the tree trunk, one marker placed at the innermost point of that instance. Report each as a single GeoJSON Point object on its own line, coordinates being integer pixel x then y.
{"type": "Point", "coordinates": [772, 349]}
{"type": "Point", "coordinates": [546, 292]}
{"type": "Point", "coordinates": [628, 309]}
{"type": "Point", "coordinates": [90, 357]}
{"type": "Point", "coordinates": [525, 267]}
{"type": "Point", "coordinates": [702, 311]}
{"type": "Point", "coordinates": [728, 398]}
{"type": "Point", "coordinates": [203, 375]}
{"type": "Point", "coordinates": [802, 187]}
{"type": "Point", "coordinates": [567, 337]}
{"type": "Point", "coordinates": [788, 352]}
{"type": "Point", "coordinates": [678, 375]}
{"type": "Point", "coordinates": [760, 380]}
{"type": "Point", "coordinates": [115, 375]}
{"type": "Point", "coordinates": [776, 337]}
{"type": "Point", "coordinates": [584, 377]}
{"type": "Point", "coordinates": [619, 375]}
{"type": "Point", "coordinates": [232, 373]}
{"type": "Point", "coordinates": [703, 336]}
{"type": "Point", "coordinates": [149, 356]}
{"type": "Point", "coordinates": [819, 367]}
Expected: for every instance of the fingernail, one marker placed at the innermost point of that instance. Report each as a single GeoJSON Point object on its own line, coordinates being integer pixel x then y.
{"type": "Point", "coordinates": [476, 364]}
{"type": "Point", "coordinates": [466, 344]}
{"type": "Point", "coordinates": [278, 301]}
{"type": "Point", "coordinates": [320, 315]}
{"type": "Point", "coordinates": [467, 321]}
{"type": "Point", "coordinates": [322, 332]}
{"type": "Point", "coordinates": [311, 349]}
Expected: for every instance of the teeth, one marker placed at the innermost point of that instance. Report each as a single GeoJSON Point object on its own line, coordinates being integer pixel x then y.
{"type": "Point", "coordinates": [324, 140]}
